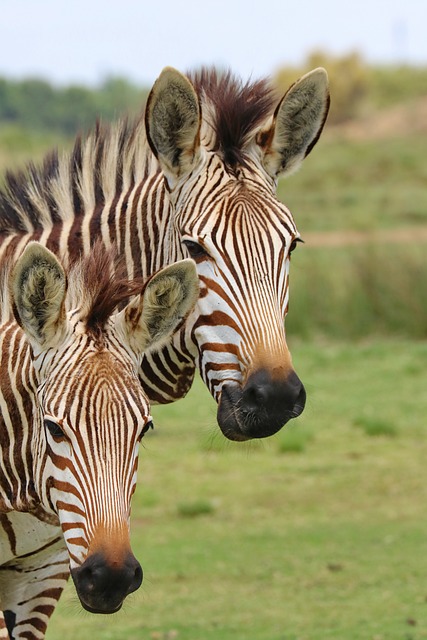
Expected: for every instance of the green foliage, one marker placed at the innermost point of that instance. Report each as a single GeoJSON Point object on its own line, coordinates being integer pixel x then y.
{"type": "Point", "coordinates": [359, 185]}
{"type": "Point", "coordinates": [294, 439]}
{"type": "Point", "coordinates": [195, 508]}
{"type": "Point", "coordinates": [390, 85]}
{"type": "Point", "coordinates": [357, 87]}
{"type": "Point", "coordinates": [19, 145]}
{"type": "Point", "coordinates": [375, 426]}
{"type": "Point", "coordinates": [358, 291]}
{"type": "Point", "coordinates": [36, 105]}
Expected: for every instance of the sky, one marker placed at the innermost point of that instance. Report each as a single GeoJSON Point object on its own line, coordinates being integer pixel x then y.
{"type": "Point", "coordinates": [87, 41]}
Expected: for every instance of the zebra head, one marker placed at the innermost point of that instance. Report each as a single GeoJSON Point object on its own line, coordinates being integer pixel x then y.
{"type": "Point", "coordinates": [91, 410]}
{"type": "Point", "coordinates": [222, 147]}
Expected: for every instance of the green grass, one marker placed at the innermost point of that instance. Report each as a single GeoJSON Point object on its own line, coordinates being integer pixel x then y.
{"type": "Point", "coordinates": [359, 185]}
{"type": "Point", "coordinates": [194, 509]}
{"type": "Point", "coordinates": [376, 426]}
{"type": "Point", "coordinates": [329, 543]}
{"type": "Point", "coordinates": [355, 291]}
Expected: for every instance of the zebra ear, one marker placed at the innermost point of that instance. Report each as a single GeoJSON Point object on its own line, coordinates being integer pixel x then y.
{"type": "Point", "coordinates": [297, 124]}
{"type": "Point", "coordinates": [38, 287]}
{"type": "Point", "coordinates": [172, 122]}
{"type": "Point", "coordinates": [167, 299]}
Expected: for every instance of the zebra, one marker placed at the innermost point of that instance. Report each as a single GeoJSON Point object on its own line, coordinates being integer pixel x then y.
{"type": "Point", "coordinates": [194, 176]}
{"type": "Point", "coordinates": [72, 413]}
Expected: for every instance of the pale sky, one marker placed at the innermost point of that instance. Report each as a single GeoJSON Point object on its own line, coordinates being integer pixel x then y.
{"type": "Point", "coordinates": [84, 41]}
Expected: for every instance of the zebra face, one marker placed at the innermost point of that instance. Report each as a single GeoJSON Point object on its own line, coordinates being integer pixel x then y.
{"type": "Point", "coordinates": [241, 242]}
{"type": "Point", "coordinates": [94, 415]}
{"type": "Point", "coordinates": [221, 146]}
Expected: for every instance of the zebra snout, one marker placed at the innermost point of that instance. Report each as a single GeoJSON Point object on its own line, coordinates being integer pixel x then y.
{"type": "Point", "coordinates": [261, 407]}
{"type": "Point", "coordinates": [102, 586]}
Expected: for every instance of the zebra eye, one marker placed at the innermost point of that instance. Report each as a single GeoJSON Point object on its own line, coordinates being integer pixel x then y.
{"type": "Point", "coordinates": [195, 249]}
{"type": "Point", "coordinates": [54, 429]}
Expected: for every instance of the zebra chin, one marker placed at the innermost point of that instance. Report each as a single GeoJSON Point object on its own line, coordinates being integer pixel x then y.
{"type": "Point", "coordinates": [261, 407]}
{"type": "Point", "coordinates": [101, 587]}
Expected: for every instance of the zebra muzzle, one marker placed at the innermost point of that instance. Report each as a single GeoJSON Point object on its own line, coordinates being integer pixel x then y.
{"type": "Point", "coordinates": [261, 407]}
{"type": "Point", "coordinates": [101, 586]}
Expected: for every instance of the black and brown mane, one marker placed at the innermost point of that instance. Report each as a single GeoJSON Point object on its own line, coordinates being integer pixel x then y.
{"type": "Point", "coordinates": [103, 286]}
{"type": "Point", "coordinates": [238, 110]}
{"type": "Point", "coordinates": [19, 209]}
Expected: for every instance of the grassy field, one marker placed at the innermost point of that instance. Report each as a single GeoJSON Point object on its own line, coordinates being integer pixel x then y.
{"type": "Point", "coordinates": [367, 289]}
{"type": "Point", "coordinates": [359, 185]}
{"type": "Point", "coordinates": [319, 533]}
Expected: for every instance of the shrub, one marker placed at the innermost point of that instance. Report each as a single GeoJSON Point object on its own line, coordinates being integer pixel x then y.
{"type": "Point", "coordinates": [195, 509]}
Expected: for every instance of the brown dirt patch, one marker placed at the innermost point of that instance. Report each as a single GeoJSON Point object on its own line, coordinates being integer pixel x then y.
{"type": "Point", "coordinates": [404, 235]}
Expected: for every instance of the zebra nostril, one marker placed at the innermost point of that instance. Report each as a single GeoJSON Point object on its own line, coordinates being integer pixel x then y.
{"type": "Point", "coordinates": [137, 579]}
{"type": "Point", "coordinates": [272, 399]}
{"type": "Point", "coordinates": [254, 396]}
{"type": "Point", "coordinates": [86, 579]}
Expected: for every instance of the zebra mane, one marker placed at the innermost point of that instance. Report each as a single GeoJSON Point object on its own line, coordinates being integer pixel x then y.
{"type": "Point", "coordinates": [107, 160]}
{"type": "Point", "coordinates": [233, 109]}
{"type": "Point", "coordinates": [97, 286]}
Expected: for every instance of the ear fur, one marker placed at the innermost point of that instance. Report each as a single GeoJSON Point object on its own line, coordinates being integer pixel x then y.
{"type": "Point", "coordinates": [167, 299]}
{"type": "Point", "coordinates": [172, 121]}
{"type": "Point", "coordinates": [38, 286]}
{"type": "Point", "coordinates": [297, 124]}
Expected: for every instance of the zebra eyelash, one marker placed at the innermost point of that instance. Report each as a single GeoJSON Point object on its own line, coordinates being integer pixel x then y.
{"type": "Point", "coordinates": [294, 243]}
{"type": "Point", "coordinates": [147, 426]}
{"type": "Point", "coordinates": [196, 251]}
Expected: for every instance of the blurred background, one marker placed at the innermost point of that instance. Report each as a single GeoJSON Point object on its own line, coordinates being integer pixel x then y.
{"type": "Point", "coordinates": [321, 531]}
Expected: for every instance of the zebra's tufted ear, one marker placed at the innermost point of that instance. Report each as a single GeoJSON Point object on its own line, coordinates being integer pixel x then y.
{"type": "Point", "coordinates": [297, 124]}
{"type": "Point", "coordinates": [167, 299]}
{"type": "Point", "coordinates": [38, 287]}
{"type": "Point", "coordinates": [172, 121]}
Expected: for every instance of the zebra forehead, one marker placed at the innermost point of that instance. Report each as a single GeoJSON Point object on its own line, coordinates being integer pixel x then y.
{"type": "Point", "coordinates": [244, 219]}
{"type": "Point", "coordinates": [98, 364]}
{"type": "Point", "coordinates": [92, 374]}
